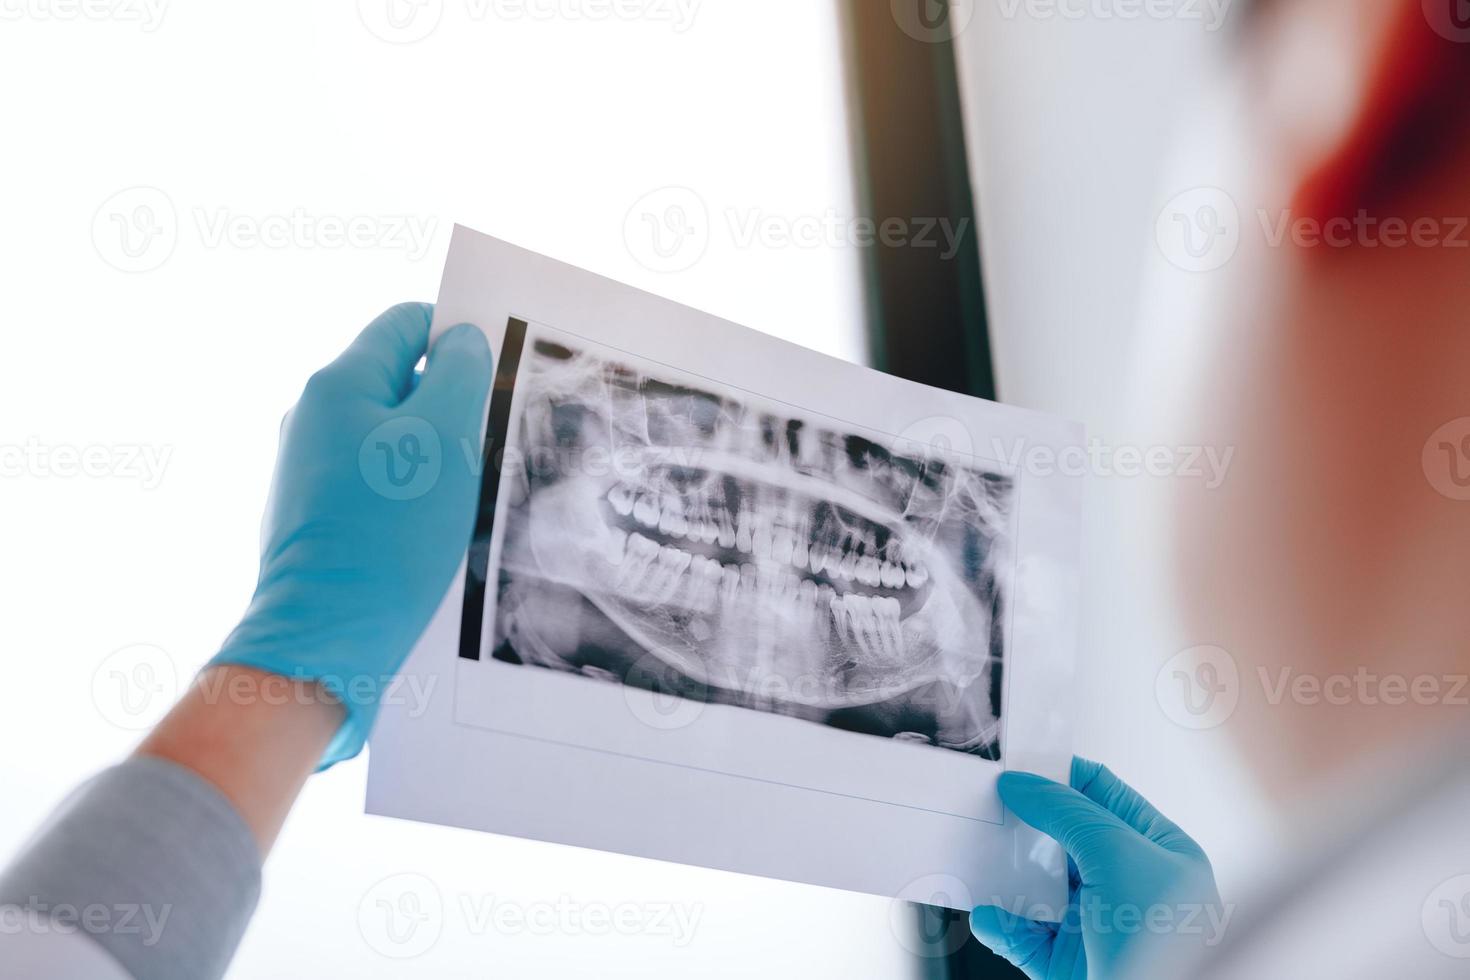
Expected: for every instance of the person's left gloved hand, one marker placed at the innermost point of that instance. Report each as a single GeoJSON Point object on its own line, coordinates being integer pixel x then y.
{"type": "Point", "coordinates": [1143, 895]}
{"type": "Point", "coordinates": [370, 513]}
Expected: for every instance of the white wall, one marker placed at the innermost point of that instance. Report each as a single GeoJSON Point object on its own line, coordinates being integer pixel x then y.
{"type": "Point", "coordinates": [1072, 113]}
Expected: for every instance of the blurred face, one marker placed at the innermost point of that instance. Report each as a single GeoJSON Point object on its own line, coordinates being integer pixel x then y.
{"type": "Point", "coordinates": [1334, 563]}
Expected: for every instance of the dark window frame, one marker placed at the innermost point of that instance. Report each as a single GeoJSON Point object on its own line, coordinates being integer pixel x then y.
{"type": "Point", "coordinates": [926, 314]}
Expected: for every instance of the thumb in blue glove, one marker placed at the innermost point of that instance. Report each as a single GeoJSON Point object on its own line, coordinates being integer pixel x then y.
{"type": "Point", "coordinates": [1142, 891]}
{"type": "Point", "coordinates": [370, 513]}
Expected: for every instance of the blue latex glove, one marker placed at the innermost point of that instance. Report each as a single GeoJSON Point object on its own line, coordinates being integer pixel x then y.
{"type": "Point", "coordinates": [370, 513]}
{"type": "Point", "coordinates": [1141, 890]}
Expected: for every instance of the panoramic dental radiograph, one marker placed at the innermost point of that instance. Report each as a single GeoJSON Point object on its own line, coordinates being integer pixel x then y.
{"type": "Point", "coordinates": [710, 545]}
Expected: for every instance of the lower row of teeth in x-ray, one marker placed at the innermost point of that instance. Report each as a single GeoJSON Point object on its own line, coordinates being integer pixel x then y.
{"type": "Point", "coordinates": [769, 562]}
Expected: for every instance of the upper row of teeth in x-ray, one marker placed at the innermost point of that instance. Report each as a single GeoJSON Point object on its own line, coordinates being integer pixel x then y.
{"type": "Point", "coordinates": [769, 540]}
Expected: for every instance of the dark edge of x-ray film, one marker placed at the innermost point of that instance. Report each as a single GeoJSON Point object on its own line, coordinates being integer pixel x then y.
{"type": "Point", "coordinates": [478, 567]}
{"type": "Point", "coordinates": [579, 634]}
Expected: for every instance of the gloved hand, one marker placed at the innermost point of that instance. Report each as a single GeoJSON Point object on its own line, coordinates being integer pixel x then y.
{"type": "Point", "coordinates": [370, 513]}
{"type": "Point", "coordinates": [1142, 891]}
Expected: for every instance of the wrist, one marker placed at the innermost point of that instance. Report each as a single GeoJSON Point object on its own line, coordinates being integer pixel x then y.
{"type": "Point", "coordinates": [338, 670]}
{"type": "Point", "coordinates": [255, 736]}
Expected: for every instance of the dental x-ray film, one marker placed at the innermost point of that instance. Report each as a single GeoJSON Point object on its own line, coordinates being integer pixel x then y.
{"type": "Point", "coordinates": [734, 603]}
{"type": "Point", "coordinates": [664, 531]}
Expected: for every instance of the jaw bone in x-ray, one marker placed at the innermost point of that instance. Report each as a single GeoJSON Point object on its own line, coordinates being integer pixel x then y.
{"type": "Point", "coordinates": [702, 544]}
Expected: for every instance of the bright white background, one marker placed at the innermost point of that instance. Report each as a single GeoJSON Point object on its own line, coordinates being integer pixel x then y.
{"type": "Point", "coordinates": [546, 133]}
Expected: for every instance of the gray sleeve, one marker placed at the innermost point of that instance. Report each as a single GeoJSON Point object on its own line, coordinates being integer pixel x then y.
{"type": "Point", "coordinates": [152, 863]}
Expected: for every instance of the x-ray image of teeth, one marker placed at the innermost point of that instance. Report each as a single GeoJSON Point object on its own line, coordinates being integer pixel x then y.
{"type": "Point", "coordinates": [702, 543]}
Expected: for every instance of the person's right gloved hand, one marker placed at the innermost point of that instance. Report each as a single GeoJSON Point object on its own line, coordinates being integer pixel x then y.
{"type": "Point", "coordinates": [370, 513]}
{"type": "Point", "coordinates": [1142, 891]}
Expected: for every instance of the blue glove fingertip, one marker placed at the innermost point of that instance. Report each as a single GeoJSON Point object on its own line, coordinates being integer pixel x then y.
{"type": "Point", "coordinates": [1026, 944]}
{"type": "Point", "coordinates": [1084, 771]}
{"type": "Point", "coordinates": [992, 924]}
{"type": "Point", "coordinates": [459, 368]}
{"type": "Point", "coordinates": [1017, 784]}
{"type": "Point", "coordinates": [464, 340]}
